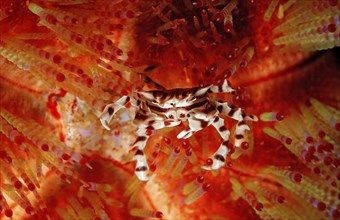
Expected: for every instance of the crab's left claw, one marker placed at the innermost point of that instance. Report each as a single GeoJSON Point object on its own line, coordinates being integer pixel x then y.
{"type": "Point", "coordinates": [107, 116]}
{"type": "Point", "coordinates": [104, 123]}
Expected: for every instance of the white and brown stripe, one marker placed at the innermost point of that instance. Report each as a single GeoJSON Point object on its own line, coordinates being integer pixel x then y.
{"type": "Point", "coordinates": [162, 108]}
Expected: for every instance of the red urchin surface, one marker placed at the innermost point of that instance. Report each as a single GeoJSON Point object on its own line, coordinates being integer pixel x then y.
{"type": "Point", "coordinates": [63, 61]}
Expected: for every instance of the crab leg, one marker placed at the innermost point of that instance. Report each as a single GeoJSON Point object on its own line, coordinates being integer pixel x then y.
{"type": "Point", "coordinates": [149, 124]}
{"type": "Point", "coordinates": [219, 157]}
{"type": "Point", "coordinates": [230, 110]}
{"type": "Point", "coordinates": [141, 166]}
{"type": "Point", "coordinates": [241, 127]}
{"type": "Point", "coordinates": [239, 115]}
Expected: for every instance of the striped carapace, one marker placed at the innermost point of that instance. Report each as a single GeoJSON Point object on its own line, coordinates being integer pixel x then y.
{"type": "Point", "coordinates": [168, 108]}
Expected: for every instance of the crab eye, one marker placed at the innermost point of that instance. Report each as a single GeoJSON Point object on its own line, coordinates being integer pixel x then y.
{"type": "Point", "coordinates": [154, 101]}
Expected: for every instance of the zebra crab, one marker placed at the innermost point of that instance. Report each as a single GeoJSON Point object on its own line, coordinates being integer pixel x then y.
{"type": "Point", "coordinates": [162, 108]}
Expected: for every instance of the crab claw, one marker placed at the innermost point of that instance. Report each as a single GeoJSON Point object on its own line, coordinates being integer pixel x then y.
{"type": "Point", "coordinates": [104, 123]}
{"type": "Point", "coordinates": [106, 116]}
{"type": "Point", "coordinates": [223, 88]}
{"type": "Point", "coordinates": [146, 94]}
{"type": "Point", "coordinates": [226, 87]}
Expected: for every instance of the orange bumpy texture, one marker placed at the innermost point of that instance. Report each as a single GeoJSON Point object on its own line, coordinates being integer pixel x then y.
{"type": "Point", "coordinates": [62, 61]}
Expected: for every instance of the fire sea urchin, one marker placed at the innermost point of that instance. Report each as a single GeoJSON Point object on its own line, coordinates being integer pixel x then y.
{"type": "Point", "coordinates": [192, 109]}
